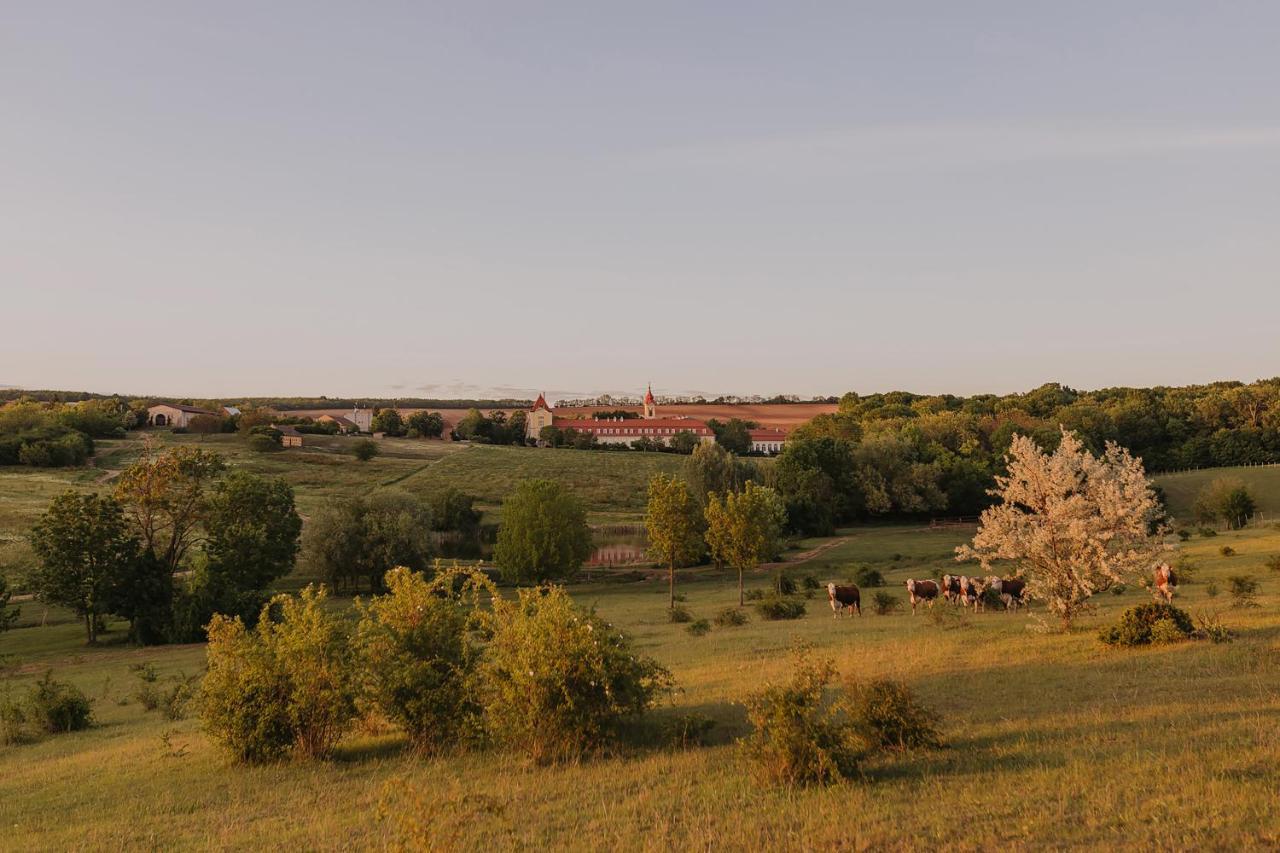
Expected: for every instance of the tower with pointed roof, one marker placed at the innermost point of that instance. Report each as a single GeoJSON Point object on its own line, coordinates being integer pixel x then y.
{"type": "Point", "coordinates": [650, 405]}
{"type": "Point", "coordinates": [538, 417]}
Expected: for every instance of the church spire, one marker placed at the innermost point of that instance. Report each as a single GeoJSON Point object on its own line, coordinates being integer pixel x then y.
{"type": "Point", "coordinates": [650, 405]}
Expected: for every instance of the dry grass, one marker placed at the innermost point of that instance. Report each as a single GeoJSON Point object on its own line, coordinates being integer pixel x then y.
{"type": "Point", "coordinates": [1052, 741]}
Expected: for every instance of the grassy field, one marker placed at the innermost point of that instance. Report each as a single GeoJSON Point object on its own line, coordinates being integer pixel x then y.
{"type": "Point", "coordinates": [1181, 489]}
{"type": "Point", "coordinates": [1052, 740]}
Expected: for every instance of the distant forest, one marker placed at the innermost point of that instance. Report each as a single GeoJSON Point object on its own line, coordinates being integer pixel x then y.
{"type": "Point", "coordinates": [282, 404]}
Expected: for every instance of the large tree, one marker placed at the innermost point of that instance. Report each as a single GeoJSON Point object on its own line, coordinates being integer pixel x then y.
{"type": "Point", "coordinates": [544, 534]}
{"type": "Point", "coordinates": [713, 470]}
{"type": "Point", "coordinates": [673, 522]}
{"type": "Point", "coordinates": [364, 538]}
{"type": "Point", "coordinates": [85, 550]}
{"type": "Point", "coordinates": [744, 528]}
{"type": "Point", "coordinates": [1075, 523]}
{"type": "Point", "coordinates": [163, 495]}
{"type": "Point", "coordinates": [1226, 499]}
{"type": "Point", "coordinates": [253, 530]}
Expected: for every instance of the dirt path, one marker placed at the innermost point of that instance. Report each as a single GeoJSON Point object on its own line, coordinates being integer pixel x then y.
{"type": "Point", "coordinates": [806, 556]}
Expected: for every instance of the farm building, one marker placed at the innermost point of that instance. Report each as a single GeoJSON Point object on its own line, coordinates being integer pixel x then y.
{"type": "Point", "coordinates": [289, 436]}
{"type": "Point", "coordinates": [362, 418]}
{"type": "Point", "coordinates": [174, 415]}
{"type": "Point", "coordinates": [345, 424]}
{"type": "Point", "coordinates": [618, 430]}
{"type": "Point", "coordinates": [230, 411]}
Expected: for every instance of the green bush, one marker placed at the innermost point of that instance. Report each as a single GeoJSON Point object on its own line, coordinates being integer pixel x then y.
{"type": "Point", "coordinates": [417, 662]}
{"type": "Point", "coordinates": [810, 582]}
{"type": "Point", "coordinates": [753, 595]}
{"type": "Point", "coordinates": [867, 576]}
{"type": "Point", "coordinates": [54, 707]}
{"type": "Point", "coordinates": [1165, 632]}
{"type": "Point", "coordinates": [679, 614]}
{"type": "Point", "coordinates": [146, 693]}
{"type": "Point", "coordinates": [884, 603]}
{"type": "Point", "coordinates": [1207, 532]}
{"type": "Point", "coordinates": [730, 617]}
{"type": "Point", "coordinates": [699, 628]}
{"type": "Point", "coordinates": [785, 585]}
{"type": "Point", "coordinates": [364, 449]}
{"type": "Point", "coordinates": [1244, 590]}
{"type": "Point", "coordinates": [776, 608]}
{"type": "Point", "coordinates": [1136, 624]}
{"type": "Point", "coordinates": [287, 684]}
{"type": "Point", "coordinates": [888, 714]}
{"type": "Point", "coordinates": [263, 444]}
{"type": "Point", "coordinates": [1209, 627]}
{"type": "Point", "coordinates": [558, 682]}
{"type": "Point", "coordinates": [1227, 551]}
{"type": "Point", "coordinates": [1183, 534]}
{"type": "Point", "coordinates": [798, 737]}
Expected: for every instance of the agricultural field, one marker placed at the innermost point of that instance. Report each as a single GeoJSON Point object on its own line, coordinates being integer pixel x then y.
{"type": "Point", "coordinates": [1052, 740]}
{"type": "Point", "coordinates": [1263, 482]}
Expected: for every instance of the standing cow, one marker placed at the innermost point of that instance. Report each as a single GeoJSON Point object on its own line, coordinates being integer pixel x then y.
{"type": "Point", "coordinates": [1009, 589]}
{"type": "Point", "coordinates": [951, 588]}
{"type": "Point", "coordinates": [1166, 582]}
{"type": "Point", "coordinates": [920, 591]}
{"type": "Point", "coordinates": [971, 590]}
{"type": "Point", "coordinates": [843, 597]}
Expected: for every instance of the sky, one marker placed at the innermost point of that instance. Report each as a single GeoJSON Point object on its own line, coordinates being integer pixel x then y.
{"type": "Point", "coordinates": [471, 199]}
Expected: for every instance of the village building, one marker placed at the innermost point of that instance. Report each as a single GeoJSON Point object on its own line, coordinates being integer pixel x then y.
{"type": "Point", "coordinates": [618, 430]}
{"type": "Point", "coordinates": [289, 435]}
{"type": "Point", "coordinates": [362, 418]}
{"type": "Point", "coordinates": [345, 424]}
{"type": "Point", "coordinates": [767, 440]}
{"type": "Point", "coordinates": [174, 415]}
{"type": "Point", "coordinates": [231, 411]}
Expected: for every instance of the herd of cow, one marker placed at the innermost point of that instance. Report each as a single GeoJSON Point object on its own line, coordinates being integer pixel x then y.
{"type": "Point", "coordinates": [961, 589]}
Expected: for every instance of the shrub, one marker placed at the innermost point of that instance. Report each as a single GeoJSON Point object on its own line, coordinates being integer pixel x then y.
{"type": "Point", "coordinates": [1273, 563]}
{"type": "Point", "coordinates": [785, 585]}
{"type": "Point", "coordinates": [364, 449]}
{"type": "Point", "coordinates": [810, 582]}
{"type": "Point", "coordinates": [753, 595]}
{"type": "Point", "coordinates": [731, 617]}
{"type": "Point", "coordinates": [679, 614]}
{"type": "Point", "coordinates": [54, 707]}
{"type": "Point", "coordinates": [263, 444]}
{"type": "Point", "coordinates": [1206, 532]}
{"type": "Point", "coordinates": [146, 693]}
{"type": "Point", "coordinates": [1119, 589]}
{"type": "Point", "coordinates": [417, 661]}
{"type": "Point", "coordinates": [699, 628]}
{"type": "Point", "coordinates": [558, 681]}
{"type": "Point", "coordinates": [885, 603]}
{"type": "Point", "coordinates": [1211, 590]}
{"type": "Point", "coordinates": [1227, 551]}
{"type": "Point", "coordinates": [1186, 570]}
{"type": "Point", "coordinates": [867, 576]}
{"type": "Point", "coordinates": [1244, 590]}
{"type": "Point", "coordinates": [1209, 627]}
{"type": "Point", "coordinates": [1136, 624]}
{"type": "Point", "coordinates": [889, 715]}
{"type": "Point", "coordinates": [798, 737]}
{"type": "Point", "coordinates": [286, 684]}
{"type": "Point", "coordinates": [689, 730]}
{"type": "Point", "coordinates": [1183, 534]}
{"type": "Point", "coordinates": [777, 608]}
{"type": "Point", "coordinates": [1166, 631]}
{"type": "Point", "coordinates": [13, 721]}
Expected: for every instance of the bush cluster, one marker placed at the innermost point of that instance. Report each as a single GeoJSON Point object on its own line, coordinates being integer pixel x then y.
{"type": "Point", "coordinates": [866, 576]}
{"type": "Point", "coordinates": [730, 617]}
{"type": "Point", "coordinates": [775, 608]}
{"type": "Point", "coordinates": [884, 603]}
{"type": "Point", "coordinates": [889, 715]}
{"type": "Point", "coordinates": [1137, 626]}
{"type": "Point", "coordinates": [49, 707]}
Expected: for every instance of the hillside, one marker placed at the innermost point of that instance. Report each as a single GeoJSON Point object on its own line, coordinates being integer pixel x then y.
{"type": "Point", "coordinates": [1181, 489]}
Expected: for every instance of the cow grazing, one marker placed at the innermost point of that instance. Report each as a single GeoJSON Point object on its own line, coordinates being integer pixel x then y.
{"type": "Point", "coordinates": [920, 591]}
{"type": "Point", "coordinates": [843, 597]}
{"type": "Point", "coordinates": [971, 590]}
{"type": "Point", "coordinates": [951, 588]}
{"type": "Point", "coordinates": [1166, 582]}
{"type": "Point", "coordinates": [1009, 589]}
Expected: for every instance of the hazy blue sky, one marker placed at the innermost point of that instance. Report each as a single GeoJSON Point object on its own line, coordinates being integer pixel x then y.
{"type": "Point", "coordinates": [418, 199]}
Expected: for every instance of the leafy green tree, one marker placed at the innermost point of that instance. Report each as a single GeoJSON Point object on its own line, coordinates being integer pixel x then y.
{"type": "Point", "coordinates": [253, 530]}
{"type": "Point", "coordinates": [818, 479]}
{"type": "Point", "coordinates": [684, 442]}
{"type": "Point", "coordinates": [452, 509]}
{"type": "Point", "coordinates": [713, 470]}
{"type": "Point", "coordinates": [163, 496]}
{"type": "Point", "coordinates": [473, 426]}
{"type": "Point", "coordinates": [388, 421]}
{"type": "Point", "coordinates": [364, 538]}
{"type": "Point", "coordinates": [733, 435]}
{"type": "Point", "coordinates": [365, 449]}
{"type": "Point", "coordinates": [673, 522]}
{"type": "Point", "coordinates": [550, 436]}
{"type": "Point", "coordinates": [744, 529]}
{"type": "Point", "coordinates": [7, 617]}
{"type": "Point", "coordinates": [427, 424]}
{"type": "Point", "coordinates": [203, 425]}
{"type": "Point", "coordinates": [1226, 499]}
{"type": "Point", "coordinates": [85, 548]}
{"type": "Point", "coordinates": [544, 534]}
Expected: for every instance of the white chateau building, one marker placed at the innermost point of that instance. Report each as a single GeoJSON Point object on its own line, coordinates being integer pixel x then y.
{"type": "Point", "coordinates": [618, 430]}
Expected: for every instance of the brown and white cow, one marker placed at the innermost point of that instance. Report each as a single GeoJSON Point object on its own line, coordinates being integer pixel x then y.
{"type": "Point", "coordinates": [843, 597]}
{"type": "Point", "coordinates": [971, 590]}
{"type": "Point", "coordinates": [1166, 582]}
{"type": "Point", "coordinates": [951, 588]}
{"type": "Point", "coordinates": [1009, 589]}
{"type": "Point", "coordinates": [919, 591]}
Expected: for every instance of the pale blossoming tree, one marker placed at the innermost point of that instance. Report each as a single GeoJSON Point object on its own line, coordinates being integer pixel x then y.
{"type": "Point", "coordinates": [1075, 523]}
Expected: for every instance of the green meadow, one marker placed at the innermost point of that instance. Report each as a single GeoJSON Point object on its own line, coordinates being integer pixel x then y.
{"type": "Point", "coordinates": [1051, 739]}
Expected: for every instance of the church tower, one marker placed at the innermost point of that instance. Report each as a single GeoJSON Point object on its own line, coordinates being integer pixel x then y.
{"type": "Point", "coordinates": [650, 405]}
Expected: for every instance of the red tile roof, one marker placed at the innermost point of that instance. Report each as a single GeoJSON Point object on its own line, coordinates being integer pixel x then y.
{"type": "Point", "coordinates": [766, 434]}
{"type": "Point", "coordinates": [648, 396]}
{"type": "Point", "coordinates": [540, 403]}
{"type": "Point", "coordinates": [634, 426]}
